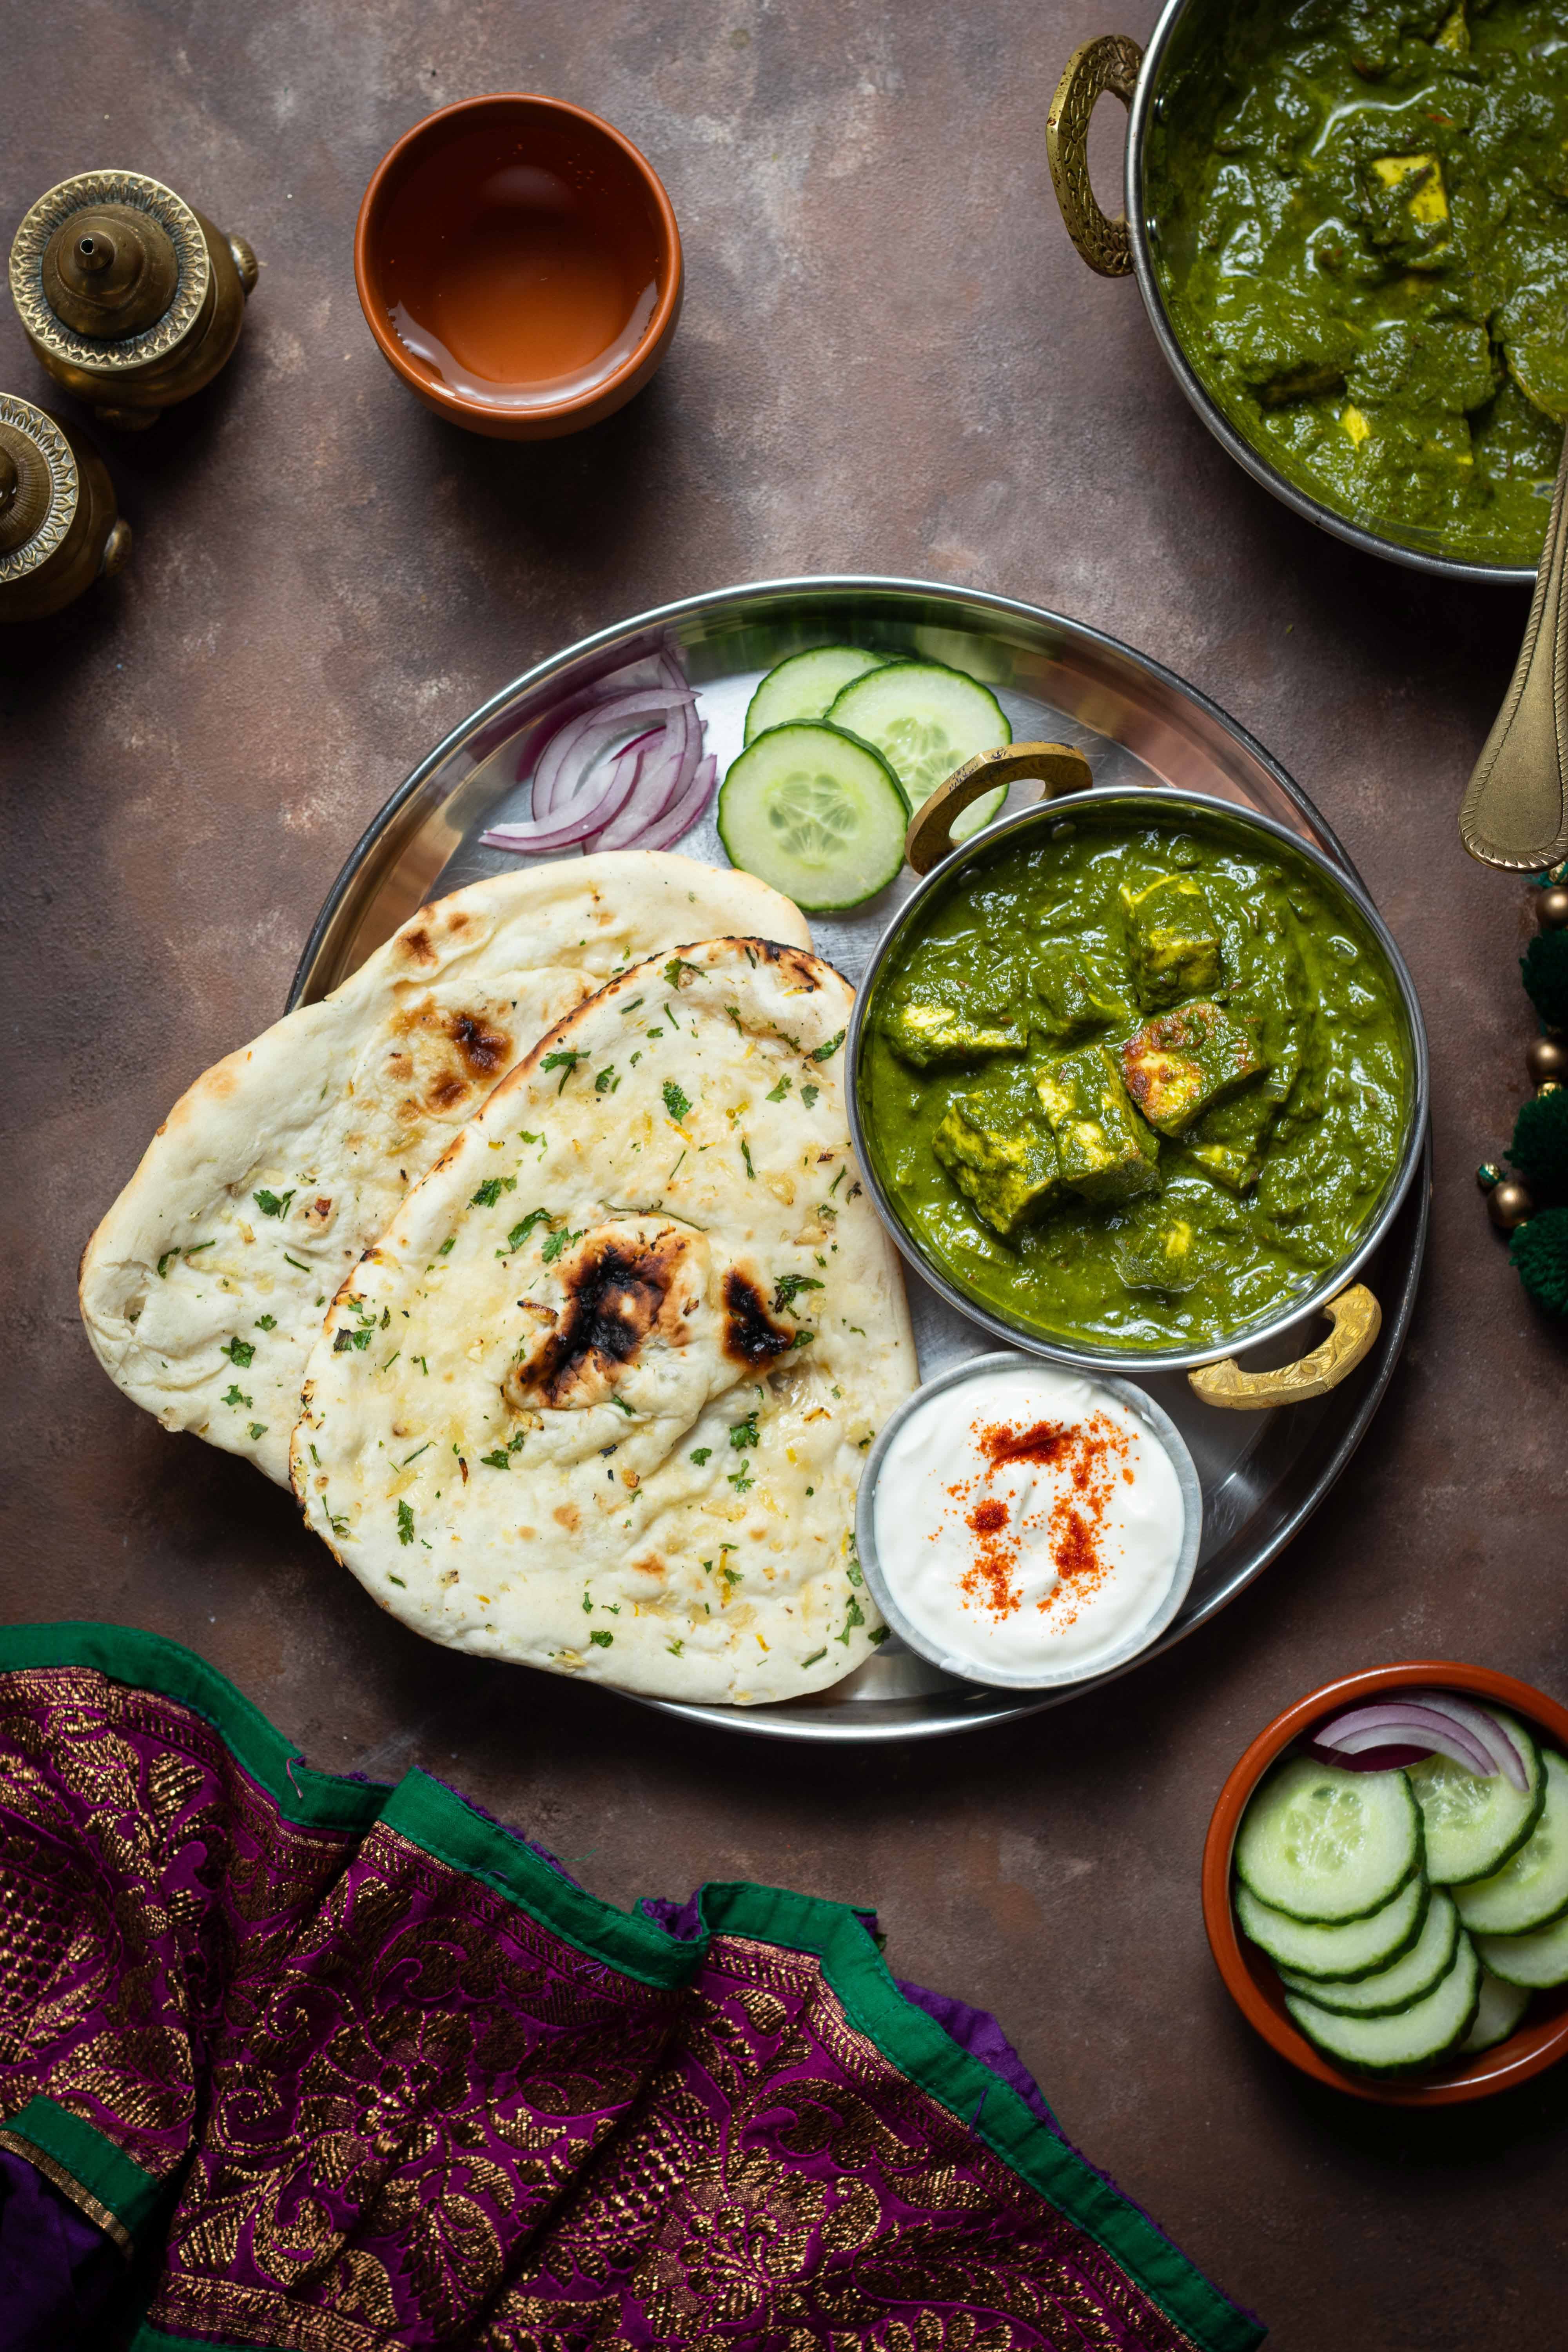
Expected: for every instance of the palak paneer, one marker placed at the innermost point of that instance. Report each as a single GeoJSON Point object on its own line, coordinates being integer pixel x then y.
{"type": "Point", "coordinates": [1137, 1083]}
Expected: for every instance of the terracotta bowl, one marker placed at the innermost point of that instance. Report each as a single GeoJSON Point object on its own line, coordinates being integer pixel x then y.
{"type": "Point", "coordinates": [1249, 1974]}
{"type": "Point", "coordinates": [438, 170]}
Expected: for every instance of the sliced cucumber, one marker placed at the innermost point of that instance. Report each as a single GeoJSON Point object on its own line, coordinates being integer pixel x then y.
{"type": "Point", "coordinates": [1501, 2007]}
{"type": "Point", "coordinates": [1320, 1844]}
{"type": "Point", "coordinates": [1473, 1824]}
{"type": "Point", "coordinates": [1531, 1887]}
{"type": "Point", "coordinates": [815, 812]}
{"type": "Point", "coordinates": [1536, 1961]}
{"type": "Point", "coordinates": [927, 719]}
{"type": "Point", "coordinates": [1399, 1986]}
{"type": "Point", "coordinates": [1337, 1955]}
{"type": "Point", "coordinates": [1417, 2036]}
{"type": "Point", "coordinates": [804, 685]}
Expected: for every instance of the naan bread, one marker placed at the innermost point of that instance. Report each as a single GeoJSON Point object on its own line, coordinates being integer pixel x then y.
{"type": "Point", "coordinates": [204, 1289]}
{"type": "Point", "coordinates": [599, 1399]}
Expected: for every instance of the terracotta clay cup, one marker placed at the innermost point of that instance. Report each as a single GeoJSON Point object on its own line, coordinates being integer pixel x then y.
{"type": "Point", "coordinates": [1249, 1974]}
{"type": "Point", "coordinates": [442, 171]}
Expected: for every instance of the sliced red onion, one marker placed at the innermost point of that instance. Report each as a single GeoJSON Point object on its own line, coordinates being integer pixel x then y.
{"type": "Point", "coordinates": [656, 783]}
{"type": "Point", "coordinates": [667, 773]}
{"type": "Point", "coordinates": [585, 813]}
{"type": "Point", "coordinates": [606, 719]}
{"type": "Point", "coordinates": [664, 772]}
{"type": "Point", "coordinates": [1411, 1725]}
{"type": "Point", "coordinates": [1493, 1738]}
{"type": "Point", "coordinates": [548, 723]}
{"type": "Point", "coordinates": [1368, 1759]}
{"type": "Point", "coordinates": [691, 805]}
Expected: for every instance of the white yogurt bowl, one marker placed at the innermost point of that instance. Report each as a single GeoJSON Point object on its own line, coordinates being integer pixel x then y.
{"type": "Point", "coordinates": [919, 1498]}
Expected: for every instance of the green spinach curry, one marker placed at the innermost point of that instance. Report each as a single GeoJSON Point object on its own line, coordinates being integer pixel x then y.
{"type": "Point", "coordinates": [1361, 213]}
{"type": "Point", "coordinates": [1138, 1088]}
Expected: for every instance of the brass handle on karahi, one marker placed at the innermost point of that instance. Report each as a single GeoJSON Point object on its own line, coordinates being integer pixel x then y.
{"type": "Point", "coordinates": [1059, 768]}
{"type": "Point", "coordinates": [1357, 1319]}
{"type": "Point", "coordinates": [1110, 63]}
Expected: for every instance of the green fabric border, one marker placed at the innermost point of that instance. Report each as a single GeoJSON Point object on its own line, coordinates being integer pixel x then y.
{"type": "Point", "coordinates": [986, 2105]}
{"type": "Point", "coordinates": [436, 1819]}
{"type": "Point", "coordinates": [93, 2162]}
{"type": "Point", "coordinates": [148, 1662]}
{"type": "Point", "coordinates": [149, 2338]}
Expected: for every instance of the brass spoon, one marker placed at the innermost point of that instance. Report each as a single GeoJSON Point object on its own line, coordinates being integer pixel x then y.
{"type": "Point", "coordinates": [1515, 809]}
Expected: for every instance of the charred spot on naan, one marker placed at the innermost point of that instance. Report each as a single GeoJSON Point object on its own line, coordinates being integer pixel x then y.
{"type": "Point", "coordinates": [751, 1338]}
{"type": "Point", "coordinates": [803, 971]}
{"type": "Point", "coordinates": [621, 1291]}
{"type": "Point", "coordinates": [445, 1056]}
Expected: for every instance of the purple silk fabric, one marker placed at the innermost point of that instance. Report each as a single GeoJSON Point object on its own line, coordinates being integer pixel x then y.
{"type": "Point", "coordinates": [359, 2068]}
{"type": "Point", "coordinates": [974, 2029]}
{"type": "Point", "coordinates": [58, 2269]}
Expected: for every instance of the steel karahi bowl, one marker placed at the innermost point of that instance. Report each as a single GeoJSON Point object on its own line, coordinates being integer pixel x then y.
{"type": "Point", "coordinates": [1137, 805]}
{"type": "Point", "coordinates": [1154, 84]}
{"type": "Point", "coordinates": [1541, 2040]}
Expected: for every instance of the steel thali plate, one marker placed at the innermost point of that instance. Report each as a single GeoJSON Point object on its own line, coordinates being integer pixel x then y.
{"type": "Point", "coordinates": [1263, 1475]}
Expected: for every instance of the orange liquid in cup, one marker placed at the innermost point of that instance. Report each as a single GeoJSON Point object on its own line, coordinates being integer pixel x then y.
{"type": "Point", "coordinates": [521, 268]}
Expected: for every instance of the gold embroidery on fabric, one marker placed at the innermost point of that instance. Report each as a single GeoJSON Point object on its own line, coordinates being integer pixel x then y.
{"type": "Point", "coordinates": [420, 2121]}
{"type": "Point", "coordinates": [113, 2228]}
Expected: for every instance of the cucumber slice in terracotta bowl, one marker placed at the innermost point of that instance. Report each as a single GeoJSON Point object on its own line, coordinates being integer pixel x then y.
{"type": "Point", "coordinates": [815, 812]}
{"type": "Point", "coordinates": [1537, 1962]}
{"type": "Point", "coordinates": [927, 719]}
{"type": "Point", "coordinates": [1531, 1890]}
{"type": "Point", "coordinates": [1414, 2037]}
{"type": "Point", "coordinates": [1341, 1953]}
{"type": "Point", "coordinates": [1403, 1982]}
{"type": "Point", "coordinates": [1498, 2011]}
{"type": "Point", "coordinates": [1473, 1824]}
{"type": "Point", "coordinates": [1322, 1843]}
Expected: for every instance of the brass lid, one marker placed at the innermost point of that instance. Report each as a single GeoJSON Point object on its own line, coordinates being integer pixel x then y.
{"type": "Point", "coordinates": [39, 487]}
{"type": "Point", "coordinates": [110, 270]}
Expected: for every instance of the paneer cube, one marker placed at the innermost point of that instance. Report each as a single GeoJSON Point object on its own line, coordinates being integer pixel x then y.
{"type": "Point", "coordinates": [1235, 1165]}
{"type": "Point", "coordinates": [1406, 209]}
{"type": "Point", "coordinates": [1163, 1256]}
{"type": "Point", "coordinates": [923, 1031]}
{"type": "Point", "coordinates": [1231, 1139]}
{"type": "Point", "coordinates": [1180, 1062]}
{"type": "Point", "coordinates": [1107, 1152]}
{"type": "Point", "coordinates": [1077, 991]}
{"type": "Point", "coordinates": [1173, 942]}
{"type": "Point", "coordinates": [1009, 1176]}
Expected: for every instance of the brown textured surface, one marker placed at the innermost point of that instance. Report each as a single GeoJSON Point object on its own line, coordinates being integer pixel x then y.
{"type": "Point", "coordinates": [890, 360]}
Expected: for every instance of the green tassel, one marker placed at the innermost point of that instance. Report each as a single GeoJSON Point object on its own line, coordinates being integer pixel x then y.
{"type": "Point", "coordinates": [1539, 1253]}
{"type": "Point", "coordinates": [1544, 969]}
{"type": "Point", "coordinates": [1539, 1146]}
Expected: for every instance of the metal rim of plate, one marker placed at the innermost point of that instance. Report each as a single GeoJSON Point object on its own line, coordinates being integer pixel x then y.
{"type": "Point", "coordinates": [1134, 715]}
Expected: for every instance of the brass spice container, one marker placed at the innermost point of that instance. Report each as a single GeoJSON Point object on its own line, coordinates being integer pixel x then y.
{"type": "Point", "coordinates": [132, 298]}
{"type": "Point", "coordinates": [59, 527]}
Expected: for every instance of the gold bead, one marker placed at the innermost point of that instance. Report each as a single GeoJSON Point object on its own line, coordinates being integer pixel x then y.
{"type": "Point", "coordinates": [1507, 1205]}
{"type": "Point", "coordinates": [1551, 907]}
{"type": "Point", "coordinates": [1546, 1061]}
{"type": "Point", "coordinates": [1489, 1175]}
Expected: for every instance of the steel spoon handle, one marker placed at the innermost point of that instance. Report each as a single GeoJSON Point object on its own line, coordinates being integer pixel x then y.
{"type": "Point", "coordinates": [1515, 809]}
